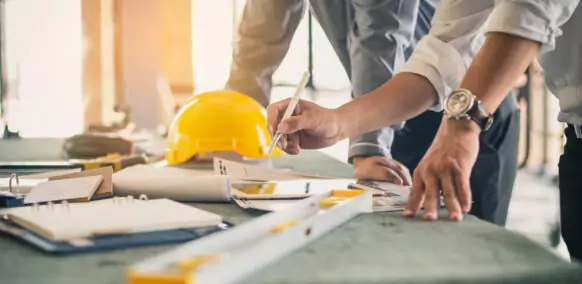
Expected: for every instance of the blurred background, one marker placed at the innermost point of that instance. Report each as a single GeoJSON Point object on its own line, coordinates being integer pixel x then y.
{"type": "Point", "coordinates": [70, 65]}
{"type": "Point", "coordinates": [95, 56]}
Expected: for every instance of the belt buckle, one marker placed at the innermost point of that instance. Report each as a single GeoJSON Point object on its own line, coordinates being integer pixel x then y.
{"type": "Point", "coordinates": [578, 131]}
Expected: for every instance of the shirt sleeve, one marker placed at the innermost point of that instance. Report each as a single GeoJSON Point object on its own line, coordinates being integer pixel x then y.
{"type": "Point", "coordinates": [458, 32]}
{"type": "Point", "coordinates": [264, 36]}
{"type": "Point", "coordinates": [534, 20]}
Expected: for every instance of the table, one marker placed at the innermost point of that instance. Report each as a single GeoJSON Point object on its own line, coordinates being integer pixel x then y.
{"type": "Point", "coordinates": [379, 247]}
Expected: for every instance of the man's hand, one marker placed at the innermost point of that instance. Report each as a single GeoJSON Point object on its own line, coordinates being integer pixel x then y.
{"type": "Point", "coordinates": [310, 127]}
{"type": "Point", "coordinates": [381, 168]}
{"type": "Point", "coordinates": [446, 168]}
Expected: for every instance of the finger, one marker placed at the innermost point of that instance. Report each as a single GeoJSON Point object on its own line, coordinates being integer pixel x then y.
{"type": "Point", "coordinates": [293, 148]}
{"type": "Point", "coordinates": [274, 113]}
{"type": "Point", "coordinates": [296, 123]}
{"type": "Point", "coordinates": [293, 143]}
{"type": "Point", "coordinates": [463, 189]}
{"type": "Point", "coordinates": [379, 173]}
{"type": "Point", "coordinates": [401, 170]}
{"type": "Point", "coordinates": [416, 196]}
{"type": "Point", "coordinates": [288, 145]}
{"type": "Point", "coordinates": [450, 197]}
{"type": "Point", "coordinates": [431, 199]}
{"type": "Point", "coordinates": [392, 176]}
{"type": "Point", "coordinates": [283, 142]}
{"type": "Point", "coordinates": [407, 178]}
{"type": "Point", "coordinates": [407, 181]}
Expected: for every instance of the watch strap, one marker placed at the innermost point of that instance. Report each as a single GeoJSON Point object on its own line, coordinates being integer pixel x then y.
{"type": "Point", "coordinates": [480, 115]}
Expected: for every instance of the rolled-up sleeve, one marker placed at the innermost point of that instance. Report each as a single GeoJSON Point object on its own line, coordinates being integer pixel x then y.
{"type": "Point", "coordinates": [458, 32]}
{"type": "Point", "coordinates": [534, 20]}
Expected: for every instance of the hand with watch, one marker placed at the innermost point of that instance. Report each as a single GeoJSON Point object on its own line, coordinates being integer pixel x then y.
{"type": "Point", "coordinates": [446, 167]}
{"type": "Point", "coordinates": [462, 104]}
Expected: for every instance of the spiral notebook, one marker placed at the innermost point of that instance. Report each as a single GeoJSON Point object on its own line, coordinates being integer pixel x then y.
{"type": "Point", "coordinates": [61, 185]}
{"type": "Point", "coordinates": [66, 222]}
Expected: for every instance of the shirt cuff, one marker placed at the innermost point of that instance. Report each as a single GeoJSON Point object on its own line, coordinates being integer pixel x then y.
{"type": "Point", "coordinates": [375, 143]}
{"type": "Point", "coordinates": [367, 150]}
{"type": "Point", "coordinates": [440, 63]}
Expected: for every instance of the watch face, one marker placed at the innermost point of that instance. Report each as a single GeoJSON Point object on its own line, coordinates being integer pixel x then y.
{"type": "Point", "coordinates": [458, 104]}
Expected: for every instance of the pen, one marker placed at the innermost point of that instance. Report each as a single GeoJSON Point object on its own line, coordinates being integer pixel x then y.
{"type": "Point", "coordinates": [290, 108]}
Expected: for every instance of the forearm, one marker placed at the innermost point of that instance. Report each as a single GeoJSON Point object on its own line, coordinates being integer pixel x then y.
{"type": "Point", "coordinates": [376, 54]}
{"type": "Point", "coordinates": [403, 97]}
{"type": "Point", "coordinates": [497, 66]}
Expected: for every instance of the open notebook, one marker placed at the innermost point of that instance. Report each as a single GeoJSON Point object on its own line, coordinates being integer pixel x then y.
{"type": "Point", "coordinates": [61, 222]}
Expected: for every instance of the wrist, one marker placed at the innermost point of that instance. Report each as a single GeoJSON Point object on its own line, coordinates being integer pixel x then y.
{"type": "Point", "coordinates": [342, 124]}
{"type": "Point", "coordinates": [461, 126]}
{"type": "Point", "coordinates": [356, 160]}
{"type": "Point", "coordinates": [465, 107]}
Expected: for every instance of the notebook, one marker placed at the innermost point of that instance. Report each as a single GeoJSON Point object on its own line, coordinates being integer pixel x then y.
{"type": "Point", "coordinates": [62, 222]}
{"type": "Point", "coordinates": [24, 184]}
{"type": "Point", "coordinates": [108, 242]}
{"type": "Point", "coordinates": [105, 189]}
{"type": "Point", "coordinates": [73, 189]}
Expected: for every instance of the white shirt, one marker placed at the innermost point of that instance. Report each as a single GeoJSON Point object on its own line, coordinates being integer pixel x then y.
{"type": "Point", "coordinates": [563, 70]}
{"type": "Point", "coordinates": [458, 29]}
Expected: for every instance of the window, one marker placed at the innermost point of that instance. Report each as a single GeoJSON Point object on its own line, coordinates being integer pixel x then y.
{"type": "Point", "coordinates": [213, 49]}
{"type": "Point", "coordinates": [43, 46]}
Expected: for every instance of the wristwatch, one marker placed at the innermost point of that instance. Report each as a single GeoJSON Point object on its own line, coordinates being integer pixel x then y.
{"type": "Point", "coordinates": [462, 104]}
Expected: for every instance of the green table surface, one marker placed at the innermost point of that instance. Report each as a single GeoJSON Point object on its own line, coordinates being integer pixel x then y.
{"type": "Point", "coordinates": [371, 248]}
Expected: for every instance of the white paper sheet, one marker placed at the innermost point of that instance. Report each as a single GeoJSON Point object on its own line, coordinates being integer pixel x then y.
{"type": "Point", "coordinates": [243, 171]}
{"type": "Point", "coordinates": [285, 189]}
{"type": "Point", "coordinates": [172, 183]}
{"type": "Point", "coordinates": [266, 205]}
{"type": "Point", "coordinates": [381, 204]}
{"type": "Point", "coordinates": [394, 197]}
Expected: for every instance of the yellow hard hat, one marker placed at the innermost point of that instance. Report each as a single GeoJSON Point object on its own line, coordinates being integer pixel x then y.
{"type": "Point", "coordinates": [219, 121]}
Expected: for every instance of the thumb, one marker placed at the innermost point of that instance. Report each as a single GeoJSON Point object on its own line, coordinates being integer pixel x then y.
{"type": "Point", "coordinates": [295, 123]}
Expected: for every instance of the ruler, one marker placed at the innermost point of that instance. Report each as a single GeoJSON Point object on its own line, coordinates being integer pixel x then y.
{"type": "Point", "coordinates": [232, 255]}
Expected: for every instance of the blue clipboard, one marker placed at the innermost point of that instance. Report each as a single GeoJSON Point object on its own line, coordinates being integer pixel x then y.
{"type": "Point", "coordinates": [108, 242]}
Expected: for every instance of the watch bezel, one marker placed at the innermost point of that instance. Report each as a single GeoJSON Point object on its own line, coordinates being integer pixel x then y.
{"type": "Point", "coordinates": [461, 114]}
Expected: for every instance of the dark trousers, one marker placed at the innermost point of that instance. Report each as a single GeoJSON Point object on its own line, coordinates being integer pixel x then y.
{"type": "Point", "coordinates": [493, 175]}
{"type": "Point", "coordinates": [570, 180]}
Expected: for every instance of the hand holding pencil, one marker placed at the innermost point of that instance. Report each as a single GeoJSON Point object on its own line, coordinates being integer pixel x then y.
{"type": "Point", "coordinates": [297, 124]}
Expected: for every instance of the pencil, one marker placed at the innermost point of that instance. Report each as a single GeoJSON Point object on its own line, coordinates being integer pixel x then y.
{"type": "Point", "coordinates": [290, 108]}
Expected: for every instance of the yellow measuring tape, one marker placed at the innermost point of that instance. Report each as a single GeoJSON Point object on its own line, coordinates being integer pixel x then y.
{"type": "Point", "coordinates": [113, 159]}
{"type": "Point", "coordinates": [182, 274]}
{"type": "Point", "coordinates": [338, 196]}
{"type": "Point", "coordinates": [184, 271]}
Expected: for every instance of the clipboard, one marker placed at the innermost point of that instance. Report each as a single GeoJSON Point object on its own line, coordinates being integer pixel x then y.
{"type": "Point", "coordinates": [107, 242]}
